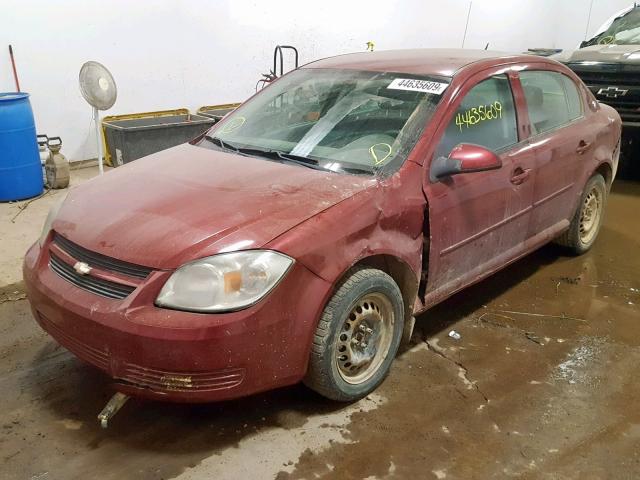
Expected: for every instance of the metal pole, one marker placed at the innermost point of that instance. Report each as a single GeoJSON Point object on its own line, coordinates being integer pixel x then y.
{"type": "Point", "coordinates": [96, 119]}
{"type": "Point", "coordinates": [586, 30]}
{"type": "Point", "coordinates": [466, 25]}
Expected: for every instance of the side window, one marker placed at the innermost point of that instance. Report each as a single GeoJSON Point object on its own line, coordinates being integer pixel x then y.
{"type": "Point", "coordinates": [573, 98]}
{"type": "Point", "coordinates": [552, 99]}
{"type": "Point", "coordinates": [486, 116]}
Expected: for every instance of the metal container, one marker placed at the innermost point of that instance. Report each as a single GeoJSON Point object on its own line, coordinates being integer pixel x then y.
{"type": "Point", "coordinates": [20, 168]}
{"type": "Point", "coordinates": [217, 112]}
{"type": "Point", "coordinates": [57, 166]}
{"type": "Point", "coordinates": [134, 136]}
{"type": "Point", "coordinates": [44, 152]}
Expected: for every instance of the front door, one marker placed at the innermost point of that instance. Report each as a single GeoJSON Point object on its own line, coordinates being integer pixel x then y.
{"type": "Point", "coordinates": [478, 221]}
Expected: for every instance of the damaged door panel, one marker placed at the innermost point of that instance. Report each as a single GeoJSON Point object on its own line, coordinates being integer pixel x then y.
{"type": "Point", "coordinates": [482, 217]}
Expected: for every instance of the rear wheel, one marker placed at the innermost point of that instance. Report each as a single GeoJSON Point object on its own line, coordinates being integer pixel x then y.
{"type": "Point", "coordinates": [587, 220]}
{"type": "Point", "coordinates": [357, 337]}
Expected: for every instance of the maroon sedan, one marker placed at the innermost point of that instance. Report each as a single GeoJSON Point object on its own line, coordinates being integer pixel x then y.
{"type": "Point", "coordinates": [300, 236]}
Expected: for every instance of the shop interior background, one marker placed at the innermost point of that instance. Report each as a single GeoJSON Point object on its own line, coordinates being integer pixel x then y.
{"type": "Point", "coordinates": [167, 55]}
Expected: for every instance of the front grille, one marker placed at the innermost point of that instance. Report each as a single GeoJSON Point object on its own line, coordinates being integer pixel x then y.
{"type": "Point", "coordinates": [603, 78]}
{"type": "Point", "coordinates": [628, 114]}
{"type": "Point", "coordinates": [98, 260]}
{"type": "Point", "coordinates": [623, 106]}
{"type": "Point", "coordinates": [95, 285]}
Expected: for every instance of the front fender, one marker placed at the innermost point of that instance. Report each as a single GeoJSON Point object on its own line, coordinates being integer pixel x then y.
{"type": "Point", "coordinates": [383, 219]}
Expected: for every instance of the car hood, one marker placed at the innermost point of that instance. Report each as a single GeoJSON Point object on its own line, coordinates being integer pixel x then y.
{"type": "Point", "coordinates": [188, 202]}
{"type": "Point", "coordinates": [602, 53]}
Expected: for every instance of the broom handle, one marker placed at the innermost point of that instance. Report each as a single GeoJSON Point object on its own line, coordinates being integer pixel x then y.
{"type": "Point", "coordinates": [13, 64]}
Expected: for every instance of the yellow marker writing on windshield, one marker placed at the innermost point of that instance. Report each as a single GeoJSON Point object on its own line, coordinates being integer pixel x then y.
{"type": "Point", "coordinates": [233, 124]}
{"type": "Point", "coordinates": [376, 159]}
{"type": "Point", "coordinates": [607, 40]}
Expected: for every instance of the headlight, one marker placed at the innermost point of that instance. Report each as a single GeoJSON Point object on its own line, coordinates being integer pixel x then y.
{"type": "Point", "coordinates": [53, 213]}
{"type": "Point", "coordinates": [229, 281]}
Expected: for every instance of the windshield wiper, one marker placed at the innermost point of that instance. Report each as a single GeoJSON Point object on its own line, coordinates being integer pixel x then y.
{"type": "Point", "coordinates": [357, 170]}
{"type": "Point", "coordinates": [281, 156]}
{"type": "Point", "coordinates": [304, 161]}
{"type": "Point", "coordinates": [258, 152]}
{"type": "Point", "coordinates": [286, 157]}
{"type": "Point", "coordinates": [220, 143]}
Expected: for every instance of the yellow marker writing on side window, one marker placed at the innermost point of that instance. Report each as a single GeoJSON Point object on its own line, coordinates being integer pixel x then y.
{"type": "Point", "coordinates": [473, 116]}
{"type": "Point", "coordinates": [233, 124]}
{"type": "Point", "coordinates": [376, 159]}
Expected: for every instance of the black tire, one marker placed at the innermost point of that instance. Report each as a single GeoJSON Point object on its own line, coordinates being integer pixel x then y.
{"type": "Point", "coordinates": [374, 293]}
{"type": "Point", "coordinates": [574, 238]}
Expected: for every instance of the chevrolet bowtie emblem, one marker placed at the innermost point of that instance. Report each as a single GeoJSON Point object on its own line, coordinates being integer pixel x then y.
{"type": "Point", "coordinates": [82, 268]}
{"type": "Point", "coordinates": [612, 92]}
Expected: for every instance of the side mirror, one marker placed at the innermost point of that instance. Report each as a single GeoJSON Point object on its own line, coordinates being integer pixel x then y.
{"type": "Point", "coordinates": [464, 158]}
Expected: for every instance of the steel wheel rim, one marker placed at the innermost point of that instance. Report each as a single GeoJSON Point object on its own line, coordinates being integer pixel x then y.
{"type": "Point", "coordinates": [590, 215]}
{"type": "Point", "coordinates": [364, 339]}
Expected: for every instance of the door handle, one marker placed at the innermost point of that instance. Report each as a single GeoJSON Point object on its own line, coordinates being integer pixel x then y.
{"type": "Point", "coordinates": [582, 147]}
{"type": "Point", "coordinates": [520, 176]}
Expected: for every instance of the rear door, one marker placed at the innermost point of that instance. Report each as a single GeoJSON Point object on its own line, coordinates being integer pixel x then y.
{"type": "Point", "coordinates": [478, 221]}
{"type": "Point", "coordinates": [562, 140]}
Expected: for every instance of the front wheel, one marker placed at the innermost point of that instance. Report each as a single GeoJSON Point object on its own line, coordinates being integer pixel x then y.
{"type": "Point", "coordinates": [587, 220]}
{"type": "Point", "coordinates": [357, 337]}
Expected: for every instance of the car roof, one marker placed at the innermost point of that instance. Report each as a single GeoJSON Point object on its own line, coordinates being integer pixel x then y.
{"type": "Point", "coordinates": [422, 61]}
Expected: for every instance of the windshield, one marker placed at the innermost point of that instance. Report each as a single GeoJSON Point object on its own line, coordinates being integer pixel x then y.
{"type": "Point", "coordinates": [624, 30]}
{"type": "Point", "coordinates": [338, 120]}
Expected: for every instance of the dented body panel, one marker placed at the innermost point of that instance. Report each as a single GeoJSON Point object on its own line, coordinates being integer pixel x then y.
{"type": "Point", "coordinates": [433, 237]}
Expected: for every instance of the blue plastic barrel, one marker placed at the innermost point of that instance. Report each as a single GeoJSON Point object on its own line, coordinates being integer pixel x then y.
{"type": "Point", "coordinates": [20, 169]}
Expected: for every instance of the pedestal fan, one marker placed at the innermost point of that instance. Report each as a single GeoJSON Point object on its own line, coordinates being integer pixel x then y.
{"type": "Point", "coordinates": [99, 90]}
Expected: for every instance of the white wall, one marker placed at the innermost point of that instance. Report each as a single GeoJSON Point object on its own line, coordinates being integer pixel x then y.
{"type": "Point", "coordinates": [170, 54]}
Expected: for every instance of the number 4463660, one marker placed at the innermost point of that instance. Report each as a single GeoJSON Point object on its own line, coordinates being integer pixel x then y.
{"type": "Point", "coordinates": [473, 116]}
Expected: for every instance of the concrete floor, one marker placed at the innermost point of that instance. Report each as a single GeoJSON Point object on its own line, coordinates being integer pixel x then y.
{"type": "Point", "coordinates": [542, 384]}
{"type": "Point", "coordinates": [21, 224]}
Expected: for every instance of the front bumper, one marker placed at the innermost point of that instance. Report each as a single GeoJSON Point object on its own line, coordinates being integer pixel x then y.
{"type": "Point", "coordinates": [180, 356]}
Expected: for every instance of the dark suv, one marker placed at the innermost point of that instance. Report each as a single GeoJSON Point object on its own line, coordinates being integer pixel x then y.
{"type": "Point", "coordinates": [609, 64]}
